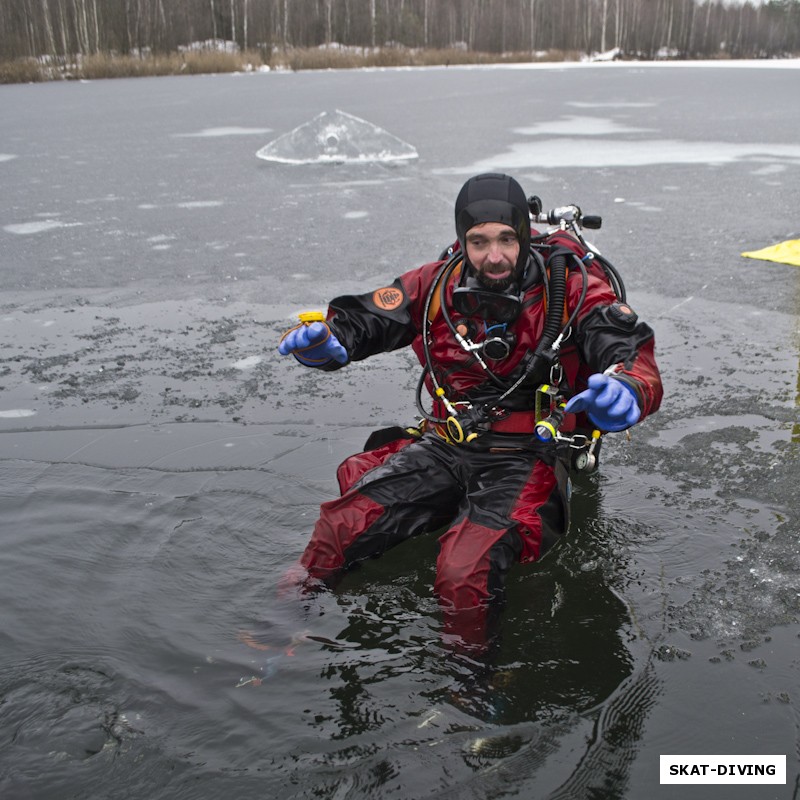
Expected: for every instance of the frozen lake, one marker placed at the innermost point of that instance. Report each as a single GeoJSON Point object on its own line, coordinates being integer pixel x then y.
{"type": "Point", "coordinates": [161, 467]}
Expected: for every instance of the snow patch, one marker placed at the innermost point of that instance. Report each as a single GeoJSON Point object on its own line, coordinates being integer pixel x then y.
{"type": "Point", "coordinates": [770, 169]}
{"type": "Point", "coordinates": [229, 131]}
{"type": "Point", "coordinates": [28, 228]}
{"type": "Point", "coordinates": [247, 363]}
{"type": "Point", "coordinates": [621, 104]}
{"type": "Point", "coordinates": [593, 153]}
{"type": "Point", "coordinates": [609, 55]}
{"type": "Point", "coordinates": [578, 126]}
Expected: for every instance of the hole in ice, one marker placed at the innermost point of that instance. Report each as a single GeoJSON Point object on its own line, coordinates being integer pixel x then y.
{"type": "Point", "coordinates": [338, 138]}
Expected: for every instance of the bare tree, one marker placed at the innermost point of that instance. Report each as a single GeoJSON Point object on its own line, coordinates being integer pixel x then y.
{"type": "Point", "coordinates": [640, 28]}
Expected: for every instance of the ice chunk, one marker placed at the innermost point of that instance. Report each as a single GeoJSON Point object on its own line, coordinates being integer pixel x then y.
{"type": "Point", "coordinates": [338, 138]}
{"type": "Point", "coordinates": [247, 363]}
{"type": "Point", "coordinates": [13, 413]}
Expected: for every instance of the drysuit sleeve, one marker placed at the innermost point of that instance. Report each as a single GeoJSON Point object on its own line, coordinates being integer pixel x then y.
{"type": "Point", "coordinates": [382, 320]}
{"type": "Point", "coordinates": [611, 336]}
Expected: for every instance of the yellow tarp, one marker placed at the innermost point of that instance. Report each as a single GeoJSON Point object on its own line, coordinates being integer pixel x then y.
{"type": "Point", "coordinates": [783, 253]}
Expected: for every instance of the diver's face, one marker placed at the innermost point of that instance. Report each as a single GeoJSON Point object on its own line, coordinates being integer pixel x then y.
{"type": "Point", "coordinates": [493, 249]}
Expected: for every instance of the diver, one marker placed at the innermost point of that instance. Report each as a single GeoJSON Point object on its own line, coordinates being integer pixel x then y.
{"type": "Point", "coordinates": [529, 356]}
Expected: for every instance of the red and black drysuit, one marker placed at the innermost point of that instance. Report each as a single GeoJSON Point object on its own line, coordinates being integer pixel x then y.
{"type": "Point", "coordinates": [504, 496]}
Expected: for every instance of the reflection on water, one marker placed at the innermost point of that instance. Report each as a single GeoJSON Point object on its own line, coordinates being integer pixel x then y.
{"type": "Point", "coordinates": [146, 630]}
{"type": "Point", "coordinates": [147, 644]}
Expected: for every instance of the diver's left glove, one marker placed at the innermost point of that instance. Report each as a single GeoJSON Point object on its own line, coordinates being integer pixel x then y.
{"type": "Point", "coordinates": [313, 344]}
{"type": "Point", "coordinates": [610, 403]}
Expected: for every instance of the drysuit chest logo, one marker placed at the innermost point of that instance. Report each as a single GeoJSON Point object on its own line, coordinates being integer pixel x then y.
{"type": "Point", "coordinates": [388, 298]}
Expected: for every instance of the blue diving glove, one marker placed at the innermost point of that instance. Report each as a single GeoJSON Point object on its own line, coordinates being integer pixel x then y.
{"type": "Point", "coordinates": [313, 344]}
{"type": "Point", "coordinates": [610, 403]}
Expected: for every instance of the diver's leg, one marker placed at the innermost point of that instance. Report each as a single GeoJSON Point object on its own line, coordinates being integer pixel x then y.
{"type": "Point", "coordinates": [412, 491]}
{"type": "Point", "coordinates": [515, 508]}
{"type": "Point", "coordinates": [354, 467]}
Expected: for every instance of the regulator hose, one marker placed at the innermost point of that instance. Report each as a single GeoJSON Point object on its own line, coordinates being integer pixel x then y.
{"type": "Point", "coordinates": [556, 289]}
{"type": "Point", "coordinates": [444, 273]}
{"type": "Point", "coordinates": [614, 278]}
{"type": "Point", "coordinates": [451, 326]}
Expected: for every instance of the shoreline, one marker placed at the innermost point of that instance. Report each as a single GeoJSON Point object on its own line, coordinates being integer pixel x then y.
{"type": "Point", "coordinates": [26, 71]}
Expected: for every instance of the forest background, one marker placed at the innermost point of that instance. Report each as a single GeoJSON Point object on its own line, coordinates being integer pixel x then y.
{"type": "Point", "coordinates": [50, 39]}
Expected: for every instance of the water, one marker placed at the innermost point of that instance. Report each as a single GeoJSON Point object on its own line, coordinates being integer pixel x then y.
{"type": "Point", "coordinates": [160, 468]}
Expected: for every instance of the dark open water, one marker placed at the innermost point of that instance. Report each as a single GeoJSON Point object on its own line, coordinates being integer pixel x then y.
{"type": "Point", "coordinates": [160, 468]}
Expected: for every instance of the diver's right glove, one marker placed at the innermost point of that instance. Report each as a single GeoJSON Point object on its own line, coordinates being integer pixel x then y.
{"type": "Point", "coordinates": [313, 345]}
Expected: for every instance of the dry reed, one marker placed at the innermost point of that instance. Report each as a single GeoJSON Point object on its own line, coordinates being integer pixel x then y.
{"type": "Point", "coordinates": [195, 62]}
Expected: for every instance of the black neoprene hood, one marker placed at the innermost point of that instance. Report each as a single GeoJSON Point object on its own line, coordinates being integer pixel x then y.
{"type": "Point", "coordinates": [494, 197]}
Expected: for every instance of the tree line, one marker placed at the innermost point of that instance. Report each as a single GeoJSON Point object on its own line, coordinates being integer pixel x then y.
{"type": "Point", "coordinates": [63, 29]}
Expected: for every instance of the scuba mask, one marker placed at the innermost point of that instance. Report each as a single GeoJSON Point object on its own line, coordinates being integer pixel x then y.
{"type": "Point", "coordinates": [472, 299]}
